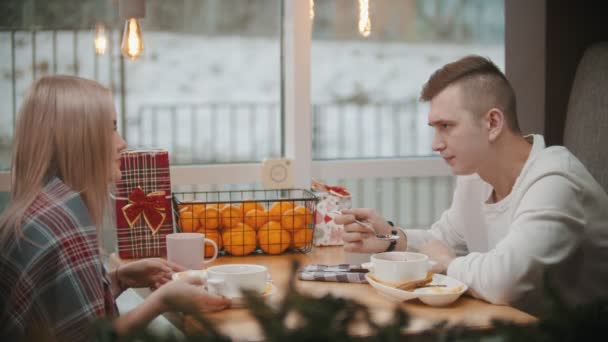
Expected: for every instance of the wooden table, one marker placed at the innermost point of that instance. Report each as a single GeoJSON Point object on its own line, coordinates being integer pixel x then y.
{"type": "Point", "coordinates": [238, 324]}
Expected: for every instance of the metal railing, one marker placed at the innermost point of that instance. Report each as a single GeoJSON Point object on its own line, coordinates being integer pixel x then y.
{"type": "Point", "coordinates": [207, 133]}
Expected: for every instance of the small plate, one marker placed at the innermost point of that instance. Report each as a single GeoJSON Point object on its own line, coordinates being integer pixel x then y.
{"type": "Point", "coordinates": [441, 296]}
{"type": "Point", "coordinates": [390, 292]}
{"type": "Point", "coordinates": [239, 302]}
{"type": "Point", "coordinates": [434, 296]}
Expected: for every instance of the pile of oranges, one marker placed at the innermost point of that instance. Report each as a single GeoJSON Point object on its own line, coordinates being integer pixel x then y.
{"type": "Point", "coordinates": [241, 228]}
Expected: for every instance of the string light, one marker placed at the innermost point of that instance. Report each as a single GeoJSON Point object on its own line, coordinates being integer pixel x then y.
{"type": "Point", "coordinates": [312, 9]}
{"type": "Point", "coordinates": [101, 40]}
{"type": "Point", "coordinates": [365, 24]}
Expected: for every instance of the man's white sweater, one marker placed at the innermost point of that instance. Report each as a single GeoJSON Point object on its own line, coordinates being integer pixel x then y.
{"type": "Point", "coordinates": [554, 220]}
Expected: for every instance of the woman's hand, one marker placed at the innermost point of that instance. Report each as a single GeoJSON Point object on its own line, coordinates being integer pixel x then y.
{"type": "Point", "coordinates": [190, 297]}
{"type": "Point", "coordinates": [186, 296]}
{"type": "Point", "coordinates": [152, 273]}
{"type": "Point", "coordinates": [358, 238]}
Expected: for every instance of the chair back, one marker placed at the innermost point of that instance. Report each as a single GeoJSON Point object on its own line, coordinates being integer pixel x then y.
{"type": "Point", "coordinates": [586, 127]}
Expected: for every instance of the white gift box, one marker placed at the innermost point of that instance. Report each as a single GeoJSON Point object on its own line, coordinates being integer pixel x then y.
{"type": "Point", "coordinates": [327, 232]}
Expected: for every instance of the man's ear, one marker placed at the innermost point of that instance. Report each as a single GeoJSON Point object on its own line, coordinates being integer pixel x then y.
{"type": "Point", "coordinates": [494, 119]}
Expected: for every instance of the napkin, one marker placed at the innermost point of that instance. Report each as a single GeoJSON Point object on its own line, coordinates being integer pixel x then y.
{"type": "Point", "coordinates": [344, 273]}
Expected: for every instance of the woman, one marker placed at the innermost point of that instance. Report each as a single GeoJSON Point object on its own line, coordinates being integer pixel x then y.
{"type": "Point", "coordinates": [66, 156]}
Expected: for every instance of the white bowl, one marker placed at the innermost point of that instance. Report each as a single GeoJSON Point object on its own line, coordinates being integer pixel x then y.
{"type": "Point", "coordinates": [239, 276]}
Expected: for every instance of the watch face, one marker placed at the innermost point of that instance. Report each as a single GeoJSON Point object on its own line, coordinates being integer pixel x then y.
{"type": "Point", "coordinates": [391, 246]}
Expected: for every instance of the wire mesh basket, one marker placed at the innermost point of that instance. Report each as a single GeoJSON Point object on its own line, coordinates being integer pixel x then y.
{"type": "Point", "coordinates": [244, 222]}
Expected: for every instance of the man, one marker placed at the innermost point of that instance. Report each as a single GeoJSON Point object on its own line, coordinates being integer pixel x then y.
{"type": "Point", "coordinates": [520, 209]}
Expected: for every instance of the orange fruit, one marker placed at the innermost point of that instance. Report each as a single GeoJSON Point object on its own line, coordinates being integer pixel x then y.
{"type": "Point", "coordinates": [248, 206]}
{"type": "Point", "coordinates": [197, 207]}
{"type": "Point", "coordinates": [297, 218]}
{"type": "Point", "coordinates": [239, 240]}
{"type": "Point", "coordinates": [209, 218]}
{"type": "Point", "coordinates": [302, 238]}
{"type": "Point", "coordinates": [216, 206]}
{"type": "Point", "coordinates": [278, 208]}
{"type": "Point", "coordinates": [308, 216]}
{"type": "Point", "coordinates": [273, 239]}
{"type": "Point", "coordinates": [184, 207]}
{"type": "Point", "coordinates": [188, 222]}
{"type": "Point", "coordinates": [216, 237]}
{"type": "Point", "coordinates": [256, 218]}
{"type": "Point", "coordinates": [231, 216]}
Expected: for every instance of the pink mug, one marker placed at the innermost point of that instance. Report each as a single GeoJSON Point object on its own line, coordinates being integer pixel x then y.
{"type": "Point", "coordinates": [188, 249]}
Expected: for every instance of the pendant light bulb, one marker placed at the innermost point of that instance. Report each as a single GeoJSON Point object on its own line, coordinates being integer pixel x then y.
{"type": "Point", "coordinates": [100, 40]}
{"type": "Point", "coordinates": [132, 45]}
{"type": "Point", "coordinates": [365, 24]}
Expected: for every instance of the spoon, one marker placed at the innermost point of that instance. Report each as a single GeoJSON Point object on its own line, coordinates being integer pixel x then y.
{"type": "Point", "coordinates": [387, 237]}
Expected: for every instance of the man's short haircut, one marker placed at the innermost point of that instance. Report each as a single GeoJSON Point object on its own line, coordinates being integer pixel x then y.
{"type": "Point", "coordinates": [483, 86]}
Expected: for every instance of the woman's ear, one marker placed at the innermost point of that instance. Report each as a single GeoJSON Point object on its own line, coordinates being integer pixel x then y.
{"type": "Point", "coordinates": [494, 121]}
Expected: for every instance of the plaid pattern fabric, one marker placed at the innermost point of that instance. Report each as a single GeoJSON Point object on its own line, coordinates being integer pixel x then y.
{"type": "Point", "coordinates": [148, 169]}
{"type": "Point", "coordinates": [338, 273]}
{"type": "Point", "coordinates": [52, 277]}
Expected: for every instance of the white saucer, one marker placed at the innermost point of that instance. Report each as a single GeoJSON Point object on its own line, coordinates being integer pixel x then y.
{"type": "Point", "coordinates": [239, 302]}
{"type": "Point", "coordinates": [190, 273]}
{"type": "Point", "coordinates": [434, 296]}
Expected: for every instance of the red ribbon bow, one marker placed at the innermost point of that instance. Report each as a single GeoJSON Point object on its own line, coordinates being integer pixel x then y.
{"type": "Point", "coordinates": [334, 190]}
{"type": "Point", "coordinates": [152, 206]}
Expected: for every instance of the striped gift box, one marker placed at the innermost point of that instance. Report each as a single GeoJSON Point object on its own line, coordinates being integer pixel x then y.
{"type": "Point", "coordinates": [143, 203]}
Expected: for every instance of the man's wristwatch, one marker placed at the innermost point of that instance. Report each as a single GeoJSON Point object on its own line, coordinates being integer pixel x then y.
{"type": "Point", "coordinates": [393, 243]}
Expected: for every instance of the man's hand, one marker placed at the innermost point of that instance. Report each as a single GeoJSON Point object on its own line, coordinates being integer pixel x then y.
{"type": "Point", "coordinates": [439, 252]}
{"type": "Point", "coordinates": [358, 238]}
{"type": "Point", "coordinates": [152, 273]}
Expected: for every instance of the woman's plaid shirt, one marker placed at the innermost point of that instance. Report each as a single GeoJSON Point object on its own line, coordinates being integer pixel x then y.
{"type": "Point", "coordinates": [52, 279]}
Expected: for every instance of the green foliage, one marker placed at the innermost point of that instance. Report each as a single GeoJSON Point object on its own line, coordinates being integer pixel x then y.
{"type": "Point", "coordinates": [331, 319]}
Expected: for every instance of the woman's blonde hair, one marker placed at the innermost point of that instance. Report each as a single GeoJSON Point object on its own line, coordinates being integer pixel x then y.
{"type": "Point", "coordinates": [64, 130]}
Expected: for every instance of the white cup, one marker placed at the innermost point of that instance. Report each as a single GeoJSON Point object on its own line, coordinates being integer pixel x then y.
{"type": "Point", "coordinates": [228, 280]}
{"type": "Point", "coordinates": [188, 249]}
{"type": "Point", "coordinates": [399, 267]}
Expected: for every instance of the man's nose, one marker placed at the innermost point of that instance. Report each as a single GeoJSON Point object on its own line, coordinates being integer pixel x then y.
{"type": "Point", "coordinates": [438, 144]}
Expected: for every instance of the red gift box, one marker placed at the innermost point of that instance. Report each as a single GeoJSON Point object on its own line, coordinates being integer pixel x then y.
{"type": "Point", "coordinates": [143, 204]}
